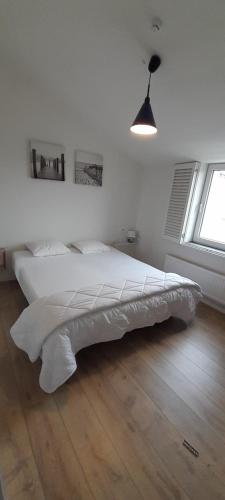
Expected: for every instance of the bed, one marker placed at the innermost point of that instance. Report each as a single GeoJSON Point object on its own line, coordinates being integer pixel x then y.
{"type": "Point", "coordinates": [76, 300]}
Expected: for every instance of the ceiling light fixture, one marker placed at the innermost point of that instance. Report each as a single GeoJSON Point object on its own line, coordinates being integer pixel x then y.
{"type": "Point", "coordinates": [144, 123]}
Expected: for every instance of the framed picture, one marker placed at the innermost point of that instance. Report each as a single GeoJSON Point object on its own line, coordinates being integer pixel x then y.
{"type": "Point", "coordinates": [88, 168]}
{"type": "Point", "coordinates": [47, 161]}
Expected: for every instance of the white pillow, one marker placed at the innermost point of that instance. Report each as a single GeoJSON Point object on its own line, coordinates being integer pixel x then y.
{"type": "Point", "coordinates": [90, 246]}
{"type": "Point", "coordinates": [45, 248]}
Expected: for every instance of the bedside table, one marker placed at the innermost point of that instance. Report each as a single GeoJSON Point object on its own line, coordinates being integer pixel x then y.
{"type": "Point", "coordinates": [126, 247]}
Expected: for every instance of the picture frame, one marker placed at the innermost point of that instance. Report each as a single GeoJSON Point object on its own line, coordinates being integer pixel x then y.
{"type": "Point", "coordinates": [47, 161]}
{"type": "Point", "coordinates": [88, 168]}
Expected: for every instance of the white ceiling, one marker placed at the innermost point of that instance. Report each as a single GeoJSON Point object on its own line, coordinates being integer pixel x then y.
{"type": "Point", "coordinates": [90, 54]}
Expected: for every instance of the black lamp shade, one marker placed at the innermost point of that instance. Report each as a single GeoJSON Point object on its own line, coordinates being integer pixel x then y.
{"type": "Point", "coordinates": [144, 123]}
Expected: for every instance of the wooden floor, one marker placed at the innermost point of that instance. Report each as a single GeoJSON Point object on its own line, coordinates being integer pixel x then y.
{"type": "Point", "coordinates": [115, 430]}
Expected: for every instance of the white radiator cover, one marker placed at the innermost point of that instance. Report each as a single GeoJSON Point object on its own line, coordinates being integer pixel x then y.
{"type": "Point", "coordinates": [211, 283]}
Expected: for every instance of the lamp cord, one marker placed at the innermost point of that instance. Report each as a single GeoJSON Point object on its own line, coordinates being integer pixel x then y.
{"type": "Point", "coordinates": [149, 81]}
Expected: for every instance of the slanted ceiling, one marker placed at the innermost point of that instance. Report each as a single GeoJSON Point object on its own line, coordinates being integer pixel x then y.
{"type": "Point", "coordinates": [90, 54]}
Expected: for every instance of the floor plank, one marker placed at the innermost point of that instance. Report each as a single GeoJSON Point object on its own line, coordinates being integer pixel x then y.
{"type": "Point", "coordinates": [147, 469]}
{"type": "Point", "coordinates": [175, 409]}
{"type": "Point", "coordinates": [106, 472]}
{"type": "Point", "coordinates": [19, 475]}
{"type": "Point", "coordinates": [214, 391]}
{"type": "Point", "coordinates": [184, 388]}
{"type": "Point", "coordinates": [158, 430]}
{"type": "Point", "coordinates": [59, 467]}
{"type": "Point", "coordinates": [115, 430]}
{"type": "Point", "coordinates": [215, 369]}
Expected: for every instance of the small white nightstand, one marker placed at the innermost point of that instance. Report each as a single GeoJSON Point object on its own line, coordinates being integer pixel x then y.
{"type": "Point", "coordinates": [126, 247]}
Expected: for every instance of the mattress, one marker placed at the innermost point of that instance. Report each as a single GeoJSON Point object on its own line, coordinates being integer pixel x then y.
{"type": "Point", "coordinates": [78, 300]}
{"type": "Point", "coordinates": [43, 276]}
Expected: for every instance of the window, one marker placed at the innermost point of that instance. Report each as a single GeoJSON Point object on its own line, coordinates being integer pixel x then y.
{"type": "Point", "coordinates": [196, 207]}
{"type": "Point", "coordinates": [210, 224]}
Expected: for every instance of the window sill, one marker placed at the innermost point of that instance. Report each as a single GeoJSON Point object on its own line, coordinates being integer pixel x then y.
{"type": "Point", "coordinates": [202, 248]}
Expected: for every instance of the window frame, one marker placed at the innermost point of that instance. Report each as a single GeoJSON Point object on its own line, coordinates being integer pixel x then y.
{"type": "Point", "coordinates": [202, 206]}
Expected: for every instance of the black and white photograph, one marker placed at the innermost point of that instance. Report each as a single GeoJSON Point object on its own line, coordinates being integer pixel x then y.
{"type": "Point", "coordinates": [47, 161]}
{"type": "Point", "coordinates": [88, 168]}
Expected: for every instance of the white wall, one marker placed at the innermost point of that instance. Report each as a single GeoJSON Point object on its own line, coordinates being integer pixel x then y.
{"type": "Point", "coordinates": [32, 209]}
{"type": "Point", "coordinates": [153, 207]}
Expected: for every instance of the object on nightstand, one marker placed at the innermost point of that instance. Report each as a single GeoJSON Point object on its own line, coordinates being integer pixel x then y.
{"type": "Point", "coordinates": [131, 236]}
{"type": "Point", "coordinates": [2, 258]}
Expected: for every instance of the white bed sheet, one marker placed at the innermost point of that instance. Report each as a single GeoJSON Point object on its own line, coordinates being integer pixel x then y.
{"type": "Point", "coordinates": [43, 276]}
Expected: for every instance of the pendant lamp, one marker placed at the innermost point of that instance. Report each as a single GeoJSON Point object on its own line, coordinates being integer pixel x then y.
{"type": "Point", "coordinates": [144, 123]}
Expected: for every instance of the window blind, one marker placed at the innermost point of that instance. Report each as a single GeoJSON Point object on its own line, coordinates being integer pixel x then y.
{"type": "Point", "coordinates": [184, 180]}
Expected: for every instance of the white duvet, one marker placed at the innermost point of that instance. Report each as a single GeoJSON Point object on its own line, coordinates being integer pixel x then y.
{"type": "Point", "coordinates": [56, 327]}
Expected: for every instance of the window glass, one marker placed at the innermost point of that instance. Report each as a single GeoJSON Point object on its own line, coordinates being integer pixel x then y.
{"type": "Point", "coordinates": [213, 222]}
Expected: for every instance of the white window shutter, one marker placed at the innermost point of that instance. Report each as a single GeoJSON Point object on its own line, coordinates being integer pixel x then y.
{"type": "Point", "coordinates": [184, 181]}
